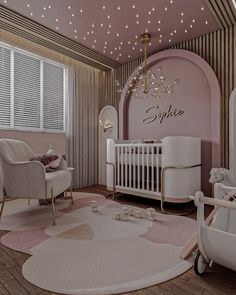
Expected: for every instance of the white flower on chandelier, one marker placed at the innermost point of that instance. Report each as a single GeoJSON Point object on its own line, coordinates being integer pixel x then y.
{"type": "Point", "coordinates": [157, 82]}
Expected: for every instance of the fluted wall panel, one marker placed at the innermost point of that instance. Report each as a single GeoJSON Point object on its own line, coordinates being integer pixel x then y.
{"type": "Point", "coordinates": [223, 11]}
{"type": "Point", "coordinates": [218, 49]}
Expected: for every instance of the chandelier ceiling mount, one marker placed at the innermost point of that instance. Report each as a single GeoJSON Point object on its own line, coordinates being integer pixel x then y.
{"type": "Point", "coordinates": [145, 40]}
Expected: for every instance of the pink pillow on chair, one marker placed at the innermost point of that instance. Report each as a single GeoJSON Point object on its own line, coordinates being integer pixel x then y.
{"type": "Point", "coordinates": [50, 162]}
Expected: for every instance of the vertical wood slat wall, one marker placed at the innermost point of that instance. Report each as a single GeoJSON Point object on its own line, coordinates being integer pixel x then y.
{"type": "Point", "coordinates": [218, 49]}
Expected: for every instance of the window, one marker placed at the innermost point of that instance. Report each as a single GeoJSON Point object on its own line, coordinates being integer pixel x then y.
{"type": "Point", "coordinates": [32, 91]}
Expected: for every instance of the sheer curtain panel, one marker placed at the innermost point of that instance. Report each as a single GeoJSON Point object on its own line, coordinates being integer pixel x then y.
{"type": "Point", "coordinates": [82, 123]}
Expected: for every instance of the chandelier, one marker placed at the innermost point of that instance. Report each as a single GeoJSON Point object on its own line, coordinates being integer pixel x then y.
{"type": "Point", "coordinates": [152, 82]}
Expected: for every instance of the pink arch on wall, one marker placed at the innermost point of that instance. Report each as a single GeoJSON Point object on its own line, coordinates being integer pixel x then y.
{"type": "Point", "coordinates": [214, 89]}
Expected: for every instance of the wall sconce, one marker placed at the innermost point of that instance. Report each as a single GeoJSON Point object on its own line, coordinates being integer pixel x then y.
{"type": "Point", "coordinates": [106, 125]}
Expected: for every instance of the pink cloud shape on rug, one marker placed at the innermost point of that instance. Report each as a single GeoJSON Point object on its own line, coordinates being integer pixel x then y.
{"type": "Point", "coordinates": [83, 203]}
{"type": "Point", "coordinates": [26, 221]}
{"type": "Point", "coordinates": [174, 230]}
{"type": "Point", "coordinates": [111, 204]}
{"type": "Point", "coordinates": [80, 232]}
{"type": "Point", "coordinates": [24, 241]}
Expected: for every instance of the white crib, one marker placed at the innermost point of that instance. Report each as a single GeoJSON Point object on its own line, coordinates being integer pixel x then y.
{"type": "Point", "coordinates": [169, 170]}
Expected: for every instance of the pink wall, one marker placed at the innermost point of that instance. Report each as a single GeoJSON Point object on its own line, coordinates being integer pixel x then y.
{"type": "Point", "coordinates": [191, 95]}
{"type": "Point", "coordinates": [197, 94]}
{"type": "Point", "coordinates": [38, 141]}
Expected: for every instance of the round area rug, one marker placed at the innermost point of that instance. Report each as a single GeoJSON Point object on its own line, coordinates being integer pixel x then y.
{"type": "Point", "coordinates": [90, 252]}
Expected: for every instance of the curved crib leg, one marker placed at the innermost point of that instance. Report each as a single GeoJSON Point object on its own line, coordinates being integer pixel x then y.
{"type": "Point", "coordinates": [162, 191]}
{"type": "Point", "coordinates": [3, 203]}
{"type": "Point", "coordinates": [71, 195]}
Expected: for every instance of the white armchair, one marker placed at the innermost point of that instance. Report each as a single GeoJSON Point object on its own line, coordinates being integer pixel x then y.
{"type": "Point", "coordinates": [26, 179]}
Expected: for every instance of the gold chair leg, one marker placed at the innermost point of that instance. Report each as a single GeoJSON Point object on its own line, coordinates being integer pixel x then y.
{"type": "Point", "coordinates": [3, 203]}
{"type": "Point", "coordinates": [71, 195]}
{"type": "Point", "coordinates": [53, 207]}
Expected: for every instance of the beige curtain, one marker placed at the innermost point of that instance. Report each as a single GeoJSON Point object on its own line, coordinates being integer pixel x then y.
{"type": "Point", "coordinates": [82, 124]}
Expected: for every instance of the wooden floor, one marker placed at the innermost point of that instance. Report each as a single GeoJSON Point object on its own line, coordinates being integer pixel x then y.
{"type": "Point", "coordinates": [217, 280]}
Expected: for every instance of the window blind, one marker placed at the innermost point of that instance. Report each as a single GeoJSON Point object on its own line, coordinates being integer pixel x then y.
{"type": "Point", "coordinates": [32, 91]}
{"type": "Point", "coordinates": [53, 96]}
{"type": "Point", "coordinates": [5, 87]}
{"type": "Point", "coordinates": [26, 91]}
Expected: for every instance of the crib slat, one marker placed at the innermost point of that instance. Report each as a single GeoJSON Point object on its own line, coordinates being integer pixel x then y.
{"type": "Point", "coordinates": [122, 166]}
{"type": "Point", "coordinates": [152, 169]}
{"type": "Point", "coordinates": [143, 165]}
{"type": "Point", "coordinates": [130, 167]}
{"type": "Point", "coordinates": [138, 167]}
{"type": "Point", "coordinates": [126, 166]}
{"type": "Point", "coordinates": [148, 168]}
{"type": "Point", "coordinates": [134, 167]}
{"type": "Point", "coordinates": [118, 165]}
{"type": "Point", "coordinates": [157, 170]}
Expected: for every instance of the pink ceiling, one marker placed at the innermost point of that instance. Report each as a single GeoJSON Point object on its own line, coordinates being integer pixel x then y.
{"type": "Point", "coordinates": [113, 27]}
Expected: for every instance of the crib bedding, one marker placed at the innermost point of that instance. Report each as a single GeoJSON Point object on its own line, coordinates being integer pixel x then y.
{"type": "Point", "coordinates": [140, 159]}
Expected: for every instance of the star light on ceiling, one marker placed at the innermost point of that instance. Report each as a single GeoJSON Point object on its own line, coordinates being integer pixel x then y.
{"type": "Point", "coordinates": [143, 17]}
{"type": "Point", "coordinates": [234, 3]}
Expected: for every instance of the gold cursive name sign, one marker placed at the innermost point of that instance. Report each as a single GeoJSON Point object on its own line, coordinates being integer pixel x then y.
{"type": "Point", "coordinates": [152, 115]}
